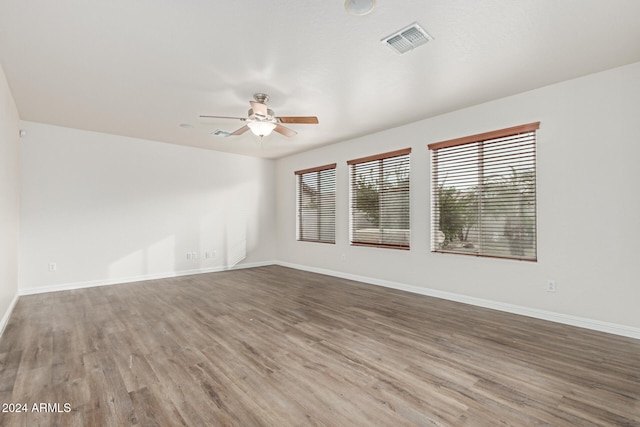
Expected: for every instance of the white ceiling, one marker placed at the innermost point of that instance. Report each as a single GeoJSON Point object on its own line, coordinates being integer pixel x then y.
{"type": "Point", "coordinates": [141, 68]}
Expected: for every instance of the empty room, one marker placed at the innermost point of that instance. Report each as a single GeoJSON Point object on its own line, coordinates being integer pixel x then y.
{"type": "Point", "coordinates": [324, 213]}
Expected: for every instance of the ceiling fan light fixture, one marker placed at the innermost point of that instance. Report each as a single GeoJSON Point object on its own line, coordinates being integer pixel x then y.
{"type": "Point", "coordinates": [360, 7]}
{"type": "Point", "coordinates": [261, 128]}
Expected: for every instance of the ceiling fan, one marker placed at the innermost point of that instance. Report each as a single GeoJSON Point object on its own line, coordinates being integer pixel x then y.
{"type": "Point", "coordinates": [262, 120]}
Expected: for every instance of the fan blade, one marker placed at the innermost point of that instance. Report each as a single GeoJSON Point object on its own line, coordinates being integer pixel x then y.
{"type": "Point", "coordinates": [309, 120]}
{"type": "Point", "coordinates": [284, 131]}
{"type": "Point", "coordinates": [240, 131]}
{"type": "Point", "coordinates": [222, 117]}
{"type": "Point", "coordinates": [259, 109]}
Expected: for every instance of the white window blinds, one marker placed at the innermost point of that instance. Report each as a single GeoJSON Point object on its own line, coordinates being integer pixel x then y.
{"type": "Point", "coordinates": [380, 200]}
{"type": "Point", "coordinates": [484, 194]}
{"type": "Point", "coordinates": [316, 203]}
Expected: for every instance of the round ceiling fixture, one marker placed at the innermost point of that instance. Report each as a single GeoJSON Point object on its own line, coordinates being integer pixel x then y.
{"type": "Point", "coordinates": [359, 7]}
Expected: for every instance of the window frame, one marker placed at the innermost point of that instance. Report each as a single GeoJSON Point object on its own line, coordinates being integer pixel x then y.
{"type": "Point", "coordinates": [352, 209]}
{"type": "Point", "coordinates": [300, 226]}
{"type": "Point", "coordinates": [481, 164]}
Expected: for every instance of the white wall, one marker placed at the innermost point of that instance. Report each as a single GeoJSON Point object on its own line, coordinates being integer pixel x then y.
{"type": "Point", "coordinates": [108, 209]}
{"type": "Point", "coordinates": [9, 200]}
{"type": "Point", "coordinates": [588, 205]}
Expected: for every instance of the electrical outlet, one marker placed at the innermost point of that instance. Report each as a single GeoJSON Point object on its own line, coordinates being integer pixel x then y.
{"type": "Point", "coordinates": [53, 266]}
{"type": "Point", "coordinates": [551, 286]}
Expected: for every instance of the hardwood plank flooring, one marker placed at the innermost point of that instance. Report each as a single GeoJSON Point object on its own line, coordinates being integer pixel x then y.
{"type": "Point", "coordinates": [272, 346]}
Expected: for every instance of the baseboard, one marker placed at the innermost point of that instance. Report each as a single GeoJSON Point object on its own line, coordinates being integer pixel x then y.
{"type": "Point", "coordinates": [580, 322]}
{"type": "Point", "coordinates": [140, 278]}
{"type": "Point", "coordinates": [7, 314]}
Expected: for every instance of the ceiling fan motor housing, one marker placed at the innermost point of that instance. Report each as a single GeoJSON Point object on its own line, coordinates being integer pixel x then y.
{"type": "Point", "coordinates": [252, 115]}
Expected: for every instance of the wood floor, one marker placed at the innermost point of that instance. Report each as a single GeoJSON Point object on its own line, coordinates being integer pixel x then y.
{"type": "Point", "coordinates": [274, 346]}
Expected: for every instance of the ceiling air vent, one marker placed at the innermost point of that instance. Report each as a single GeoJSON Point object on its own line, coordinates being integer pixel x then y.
{"type": "Point", "coordinates": [407, 39]}
{"type": "Point", "coordinates": [219, 132]}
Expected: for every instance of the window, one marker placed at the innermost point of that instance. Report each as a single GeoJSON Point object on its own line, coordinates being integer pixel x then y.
{"type": "Point", "coordinates": [380, 200]}
{"type": "Point", "coordinates": [316, 204]}
{"type": "Point", "coordinates": [484, 194]}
